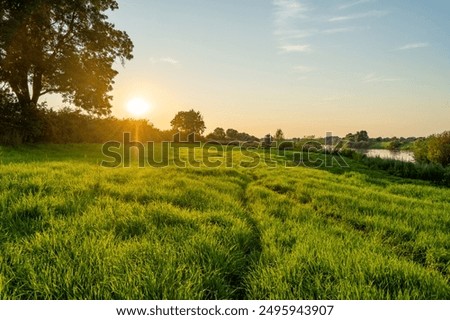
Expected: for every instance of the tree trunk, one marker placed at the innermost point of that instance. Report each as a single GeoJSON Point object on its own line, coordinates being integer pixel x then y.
{"type": "Point", "coordinates": [30, 123]}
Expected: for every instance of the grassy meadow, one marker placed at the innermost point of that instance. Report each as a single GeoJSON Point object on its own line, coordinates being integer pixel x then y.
{"type": "Point", "coordinates": [72, 229]}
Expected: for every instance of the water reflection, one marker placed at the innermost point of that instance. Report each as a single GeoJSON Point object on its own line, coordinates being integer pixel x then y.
{"type": "Point", "coordinates": [406, 156]}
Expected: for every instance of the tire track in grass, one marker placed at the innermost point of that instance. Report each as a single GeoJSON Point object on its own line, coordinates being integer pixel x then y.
{"type": "Point", "coordinates": [253, 255]}
{"type": "Point", "coordinates": [249, 244]}
{"type": "Point", "coordinates": [308, 255]}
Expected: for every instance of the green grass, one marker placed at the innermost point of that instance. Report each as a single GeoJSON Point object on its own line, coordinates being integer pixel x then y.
{"type": "Point", "coordinates": [71, 229]}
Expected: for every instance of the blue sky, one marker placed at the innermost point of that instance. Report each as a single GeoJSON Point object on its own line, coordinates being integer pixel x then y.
{"type": "Point", "coordinates": [306, 67]}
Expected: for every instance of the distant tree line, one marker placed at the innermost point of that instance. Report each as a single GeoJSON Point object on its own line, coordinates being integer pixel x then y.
{"type": "Point", "coordinates": [220, 135]}
{"type": "Point", "coordinates": [78, 126]}
{"type": "Point", "coordinates": [361, 140]}
{"type": "Point", "coordinates": [74, 126]}
{"type": "Point", "coordinates": [68, 125]}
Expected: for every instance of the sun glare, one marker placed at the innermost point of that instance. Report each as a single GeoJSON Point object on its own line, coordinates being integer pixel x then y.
{"type": "Point", "coordinates": [138, 107]}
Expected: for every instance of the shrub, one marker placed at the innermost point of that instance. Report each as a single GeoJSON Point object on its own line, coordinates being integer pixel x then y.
{"type": "Point", "coordinates": [394, 145]}
{"type": "Point", "coordinates": [435, 173]}
{"type": "Point", "coordinates": [435, 149]}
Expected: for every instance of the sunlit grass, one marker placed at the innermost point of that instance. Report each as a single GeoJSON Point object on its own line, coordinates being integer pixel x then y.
{"type": "Point", "coordinates": [71, 229]}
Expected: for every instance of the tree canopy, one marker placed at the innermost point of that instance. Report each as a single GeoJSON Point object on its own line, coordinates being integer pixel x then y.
{"type": "Point", "coordinates": [359, 136]}
{"type": "Point", "coordinates": [217, 134]}
{"type": "Point", "coordinates": [60, 46]}
{"type": "Point", "coordinates": [279, 135]}
{"type": "Point", "coordinates": [188, 122]}
{"type": "Point", "coordinates": [434, 149]}
{"type": "Point", "coordinates": [232, 134]}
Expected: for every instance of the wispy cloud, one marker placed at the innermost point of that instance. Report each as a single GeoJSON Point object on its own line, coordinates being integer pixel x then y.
{"type": "Point", "coordinates": [287, 12]}
{"type": "Point", "coordinates": [369, 14]}
{"type": "Point", "coordinates": [286, 15]}
{"type": "Point", "coordinates": [291, 48]}
{"type": "Point", "coordinates": [296, 33]}
{"type": "Point", "coordinates": [415, 45]}
{"type": "Point", "coordinates": [170, 60]}
{"type": "Point", "coordinates": [372, 77]}
{"type": "Point", "coordinates": [352, 4]}
{"type": "Point", "coordinates": [338, 30]}
{"type": "Point", "coordinates": [288, 9]}
{"type": "Point", "coordinates": [302, 34]}
{"type": "Point", "coordinates": [167, 60]}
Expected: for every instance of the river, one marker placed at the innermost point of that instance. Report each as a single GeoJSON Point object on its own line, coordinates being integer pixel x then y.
{"type": "Point", "coordinates": [407, 156]}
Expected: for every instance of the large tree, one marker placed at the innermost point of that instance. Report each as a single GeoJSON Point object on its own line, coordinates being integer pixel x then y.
{"type": "Point", "coordinates": [232, 134]}
{"type": "Point", "coordinates": [279, 135]}
{"type": "Point", "coordinates": [188, 122]}
{"type": "Point", "coordinates": [60, 46]}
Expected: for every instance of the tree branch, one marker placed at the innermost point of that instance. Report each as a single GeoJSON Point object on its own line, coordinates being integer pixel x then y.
{"type": "Point", "coordinates": [37, 86]}
{"type": "Point", "coordinates": [49, 91]}
{"type": "Point", "coordinates": [64, 37]}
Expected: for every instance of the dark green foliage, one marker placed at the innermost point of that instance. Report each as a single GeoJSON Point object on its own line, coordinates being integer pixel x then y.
{"type": "Point", "coordinates": [358, 140]}
{"type": "Point", "coordinates": [18, 124]}
{"type": "Point", "coordinates": [420, 149]}
{"type": "Point", "coordinates": [218, 135]}
{"type": "Point", "coordinates": [188, 124]}
{"type": "Point", "coordinates": [361, 136]}
{"type": "Point", "coordinates": [72, 126]}
{"type": "Point", "coordinates": [435, 173]}
{"type": "Point", "coordinates": [279, 135]}
{"type": "Point", "coordinates": [64, 47]}
{"type": "Point", "coordinates": [10, 117]}
{"type": "Point", "coordinates": [423, 171]}
{"type": "Point", "coordinates": [67, 126]}
{"type": "Point", "coordinates": [267, 141]}
{"type": "Point", "coordinates": [230, 135]}
{"type": "Point", "coordinates": [394, 145]}
{"type": "Point", "coordinates": [434, 149]}
{"type": "Point", "coordinates": [439, 148]}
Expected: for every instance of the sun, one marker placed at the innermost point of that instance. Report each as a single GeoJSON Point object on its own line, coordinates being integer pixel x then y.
{"type": "Point", "coordinates": [138, 107]}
